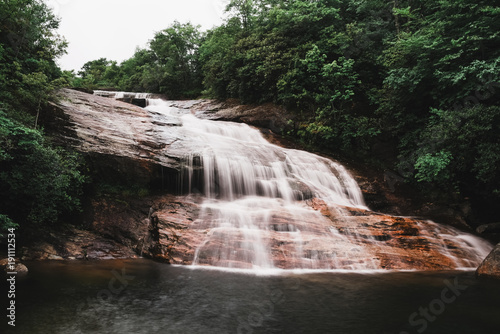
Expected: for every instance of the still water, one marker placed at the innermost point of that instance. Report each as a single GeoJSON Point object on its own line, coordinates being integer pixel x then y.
{"type": "Point", "coordinates": [141, 296]}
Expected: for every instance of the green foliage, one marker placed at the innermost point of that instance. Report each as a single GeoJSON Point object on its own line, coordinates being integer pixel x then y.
{"type": "Point", "coordinates": [100, 73]}
{"type": "Point", "coordinates": [461, 148]}
{"type": "Point", "coordinates": [37, 183]}
{"type": "Point", "coordinates": [243, 10]}
{"type": "Point", "coordinates": [433, 167]}
{"type": "Point", "coordinates": [28, 48]}
{"type": "Point", "coordinates": [169, 66]}
{"type": "Point", "coordinates": [174, 69]}
{"type": "Point", "coordinates": [219, 61]}
{"type": "Point", "coordinates": [315, 81]}
{"type": "Point", "coordinates": [132, 72]}
{"type": "Point", "coordinates": [6, 223]}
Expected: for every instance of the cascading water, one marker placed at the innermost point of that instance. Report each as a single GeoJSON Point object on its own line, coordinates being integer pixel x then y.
{"type": "Point", "coordinates": [263, 206]}
{"type": "Point", "coordinates": [122, 95]}
{"type": "Point", "coordinates": [248, 183]}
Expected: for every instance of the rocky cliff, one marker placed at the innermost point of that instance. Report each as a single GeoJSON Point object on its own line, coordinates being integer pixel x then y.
{"type": "Point", "coordinates": [129, 146]}
{"type": "Point", "coordinates": [122, 142]}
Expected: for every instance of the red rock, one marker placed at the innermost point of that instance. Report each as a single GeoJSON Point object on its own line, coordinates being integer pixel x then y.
{"type": "Point", "coordinates": [490, 267]}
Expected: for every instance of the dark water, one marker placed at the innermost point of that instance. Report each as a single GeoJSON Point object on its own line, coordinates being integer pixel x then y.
{"type": "Point", "coordinates": [140, 296]}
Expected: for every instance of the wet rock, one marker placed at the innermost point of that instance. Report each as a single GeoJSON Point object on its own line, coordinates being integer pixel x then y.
{"type": "Point", "coordinates": [171, 237]}
{"type": "Point", "coordinates": [16, 267]}
{"type": "Point", "coordinates": [122, 142]}
{"type": "Point", "coordinates": [491, 265]}
{"type": "Point", "coordinates": [488, 228]}
{"type": "Point", "coordinates": [320, 205]}
{"type": "Point", "coordinates": [157, 227]}
{"type": "Point", "coordinates": [301, 190]}
{"type": "Point", "coordinates": [267, 116]}
{"type": "Point", "coordinates": [121, 219]}
{"type": "Point", "coordinates": [490, 232]}
{"type": "Point", "coordinates": [70, 243]}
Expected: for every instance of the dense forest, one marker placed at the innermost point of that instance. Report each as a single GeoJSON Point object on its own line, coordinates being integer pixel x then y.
{"type": "Point", "coordinates": [411, 86]}
{"type": "Point", "coordinates": [39, 182]}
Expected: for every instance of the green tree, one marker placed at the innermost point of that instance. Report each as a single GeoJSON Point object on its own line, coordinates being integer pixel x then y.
{"type": "Point", "coordinates": [37, 182]}
{"type": "Point", "coordinates": [29, 46]}
{"type": "Point", "coordinates": [243, 10]}
{"type": "Point", "coordinates": [132, 71]}
{"type": "Point", "coordinates": [99, 73]}
{"type": "Point", "coordinates": [412, 83]}
{"type": "Point", "coordinates": [218, 60]}
{"type": "Point", "coordinates": [175, 68]}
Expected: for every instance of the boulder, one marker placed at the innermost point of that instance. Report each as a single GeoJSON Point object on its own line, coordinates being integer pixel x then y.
{"type": "Point", "coordinates": [488, 228]}
{"type": "Point", "coordinates": [18, 267]}
{"type": "Point", "coordinates": [491, 265]}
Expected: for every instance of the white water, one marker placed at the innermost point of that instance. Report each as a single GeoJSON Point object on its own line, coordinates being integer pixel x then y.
{"type": "Point", "coordinates": [121, 95]}
{"type": "Point", "coordinates": [256, 208]}
{"type": "Point", "coordinates": [246, 180]}
{"type": "Point", "coordinates": [237, 161]}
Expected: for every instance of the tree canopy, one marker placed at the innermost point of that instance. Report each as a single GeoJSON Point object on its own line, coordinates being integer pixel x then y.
{"type": "Point", "coordinates": [169, 66]}
{"type": "Point", "coordinates": [29, 46]}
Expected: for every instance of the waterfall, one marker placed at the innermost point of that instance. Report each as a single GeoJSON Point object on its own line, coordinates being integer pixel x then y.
{"type": "Point", "coordinates": [122, 95]}
{"type": "Point", "coordinates": [237, 161]}
{"type": "Point", "coordinates": [264, 206]}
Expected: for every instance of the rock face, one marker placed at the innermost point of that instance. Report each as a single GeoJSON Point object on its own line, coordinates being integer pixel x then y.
{"type": "Point", "coordinates": [172, 228]}
{"type": "Point", "coordinates": [268, 116]}
{"type": "Point", "coordinates": [70, 243]}
{"type": "Point", "coordinates": [490, 231]}
{"type": "Point", "coordinates": [491, 265]}
{"type": "Point", "coordinates": [153, 227]}
{"type": "Point", "coordinates": [295, 227]}
{"type": "Point", "coordinates": [124, 143]}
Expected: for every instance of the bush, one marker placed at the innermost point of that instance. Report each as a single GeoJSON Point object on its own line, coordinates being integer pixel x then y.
{"type": "Point", "coordinates": [38, 183]}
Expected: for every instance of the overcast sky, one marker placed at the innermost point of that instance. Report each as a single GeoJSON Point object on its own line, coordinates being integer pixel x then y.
{"type": "Point", "coordinates": [113, 29]}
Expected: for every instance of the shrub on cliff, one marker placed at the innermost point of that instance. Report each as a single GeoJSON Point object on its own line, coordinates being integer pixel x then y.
{"type": "Point", "coordinates": [38, 183]}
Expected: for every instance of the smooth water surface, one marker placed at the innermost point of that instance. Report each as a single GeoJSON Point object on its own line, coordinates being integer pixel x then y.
{"type": "Point", "coordinates": [141, 296]}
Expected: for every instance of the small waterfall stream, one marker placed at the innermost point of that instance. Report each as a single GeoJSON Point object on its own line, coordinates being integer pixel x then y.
{"type": "Point", "coordinates": [266, 207]}
{"type": "Point", "coordinates": [248, 183]}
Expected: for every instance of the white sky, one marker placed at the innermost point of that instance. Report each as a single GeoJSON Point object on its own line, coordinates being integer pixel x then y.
{"type": "Point", "coordinates": [113, 29]}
